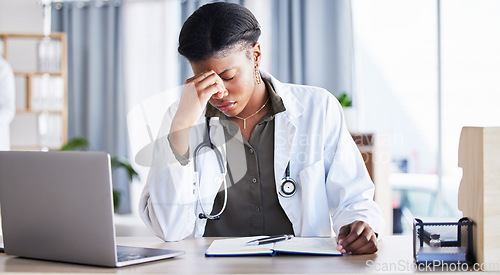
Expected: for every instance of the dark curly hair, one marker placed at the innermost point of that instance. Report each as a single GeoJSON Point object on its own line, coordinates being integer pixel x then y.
{"type": "Point", "coordinates": [216, 27]}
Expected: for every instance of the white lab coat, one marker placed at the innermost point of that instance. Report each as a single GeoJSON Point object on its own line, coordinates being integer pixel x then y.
{"type": "Point", "coordinates": [7, 103]}
{"type": "Point", "coordinates": [334, 188]}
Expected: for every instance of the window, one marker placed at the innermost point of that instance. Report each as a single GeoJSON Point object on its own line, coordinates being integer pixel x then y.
{"type": "Point", "coordinates": [396, 59]}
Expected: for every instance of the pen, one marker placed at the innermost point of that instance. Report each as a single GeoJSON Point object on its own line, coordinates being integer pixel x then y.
{"type": "Point", "coordinates": [271, 239]}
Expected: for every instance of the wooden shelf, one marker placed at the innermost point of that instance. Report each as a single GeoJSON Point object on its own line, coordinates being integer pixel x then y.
{"type": "Point", "coordinates": [37, 73]}
{"type": "Point", "coordinates": [375, 150]}
{"type": "Point", "coordinates": [22, 127]}
{"type": "Point", "coordinates": [479, 158]}
{"type": "Point", "coordinates": [38, 112]}
{"type": "Point", "coordinates": [56, 35]}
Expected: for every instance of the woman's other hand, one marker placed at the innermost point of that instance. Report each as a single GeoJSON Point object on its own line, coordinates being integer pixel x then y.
{"type": "Point", "coordinates": [357, 238]}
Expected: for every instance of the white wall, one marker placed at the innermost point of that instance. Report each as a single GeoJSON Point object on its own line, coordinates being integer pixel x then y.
{"type": "Point", "coordinates": [20, 16]}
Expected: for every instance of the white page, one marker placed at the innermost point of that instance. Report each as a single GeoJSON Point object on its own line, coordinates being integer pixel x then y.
{"type": "Point", "coordinates": [308, 246]}
{"type": "Point", "coordinates": [237, 246]}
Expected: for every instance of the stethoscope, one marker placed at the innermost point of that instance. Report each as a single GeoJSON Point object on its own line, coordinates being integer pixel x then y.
{"type": "Point", "coordinates": [287, 189]}
{"type": "Point", "coordinates": [208, 143]}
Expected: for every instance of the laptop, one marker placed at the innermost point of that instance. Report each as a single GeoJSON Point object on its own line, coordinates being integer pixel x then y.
{"type": "Point", "coordinates": [58, 206]}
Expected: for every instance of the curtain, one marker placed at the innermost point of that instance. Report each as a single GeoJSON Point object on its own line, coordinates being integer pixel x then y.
{"type": "Point", "coordinates": [96, 97]}
{"type": "Point", "coordinates": [312, 43]}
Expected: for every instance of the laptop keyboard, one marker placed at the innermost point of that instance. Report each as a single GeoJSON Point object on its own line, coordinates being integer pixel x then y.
{"type": "Point", "coordinates": [124, 257]}
{"type": "Point", "coordinates": [127, 253]}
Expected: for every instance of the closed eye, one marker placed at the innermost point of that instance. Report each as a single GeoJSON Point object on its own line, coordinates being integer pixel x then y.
{"type": "Point", "coordinates": [227, 79]}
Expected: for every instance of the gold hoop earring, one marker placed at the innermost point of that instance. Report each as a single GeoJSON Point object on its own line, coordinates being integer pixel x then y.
{"type": "Point", "coordinates": [258, 78]}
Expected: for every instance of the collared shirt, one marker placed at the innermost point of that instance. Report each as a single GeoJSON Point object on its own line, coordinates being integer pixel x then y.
{"type": "Point", "coordinates": [253, 207]}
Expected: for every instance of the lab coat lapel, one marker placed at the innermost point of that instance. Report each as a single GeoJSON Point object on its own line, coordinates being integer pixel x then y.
{"type": "Point", "coordinates": [285, 127]}
{"type": "Point", "coordinates": [284, 135]}
{"type": "Point", "coordinates": [285, 132]}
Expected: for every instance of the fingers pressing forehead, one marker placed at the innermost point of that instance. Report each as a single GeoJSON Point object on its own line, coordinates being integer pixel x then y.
{"type": "Point", "coordinates": [199, 77]}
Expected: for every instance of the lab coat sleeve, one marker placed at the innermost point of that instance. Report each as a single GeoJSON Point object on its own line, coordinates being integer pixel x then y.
{"type": "Point", "coordinates": [167, 204]}
{"type": "Point", "coordinates": [349, 186]}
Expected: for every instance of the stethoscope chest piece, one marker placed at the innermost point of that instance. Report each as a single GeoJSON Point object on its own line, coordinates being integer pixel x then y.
{"type": "Point", "coordinates": [288, 187]}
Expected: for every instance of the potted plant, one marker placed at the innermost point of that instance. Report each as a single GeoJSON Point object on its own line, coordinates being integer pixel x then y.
{"type": "Point", "coordinates": [344, 100]}
{"type": "Point", "coordinates": [350, 115]}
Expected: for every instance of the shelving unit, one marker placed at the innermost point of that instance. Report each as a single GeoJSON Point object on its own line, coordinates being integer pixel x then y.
{"type": "Point", "coordinates": [40, 68]}
{"type": "Point", "coordinates": [375, 151]}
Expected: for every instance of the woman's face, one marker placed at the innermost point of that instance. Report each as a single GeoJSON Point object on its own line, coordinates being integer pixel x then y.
{"type": "Point", "coordinates": [236, 69]}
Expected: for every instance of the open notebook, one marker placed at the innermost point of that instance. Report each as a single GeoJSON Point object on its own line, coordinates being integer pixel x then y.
{"type": "Point", "coordinates": [297, 245]}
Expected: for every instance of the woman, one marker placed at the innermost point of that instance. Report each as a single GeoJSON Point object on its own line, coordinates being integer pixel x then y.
{"type": "Point", "coordinates": [265, 130]}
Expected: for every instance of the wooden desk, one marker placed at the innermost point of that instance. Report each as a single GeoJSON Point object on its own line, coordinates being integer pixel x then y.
{"type": "Point", "coordinates": [395, 251]}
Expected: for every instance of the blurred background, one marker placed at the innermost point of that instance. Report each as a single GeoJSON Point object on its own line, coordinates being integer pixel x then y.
{"type": "Point", "coordinates": [415, 72]}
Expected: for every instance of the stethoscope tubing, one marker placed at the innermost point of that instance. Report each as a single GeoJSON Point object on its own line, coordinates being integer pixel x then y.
{"type": "Point", "coordinates": [208, 143]}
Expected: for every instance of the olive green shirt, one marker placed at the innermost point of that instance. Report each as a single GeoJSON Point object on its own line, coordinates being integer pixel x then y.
{"type": "Point", "coordinates": [252, 207]}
